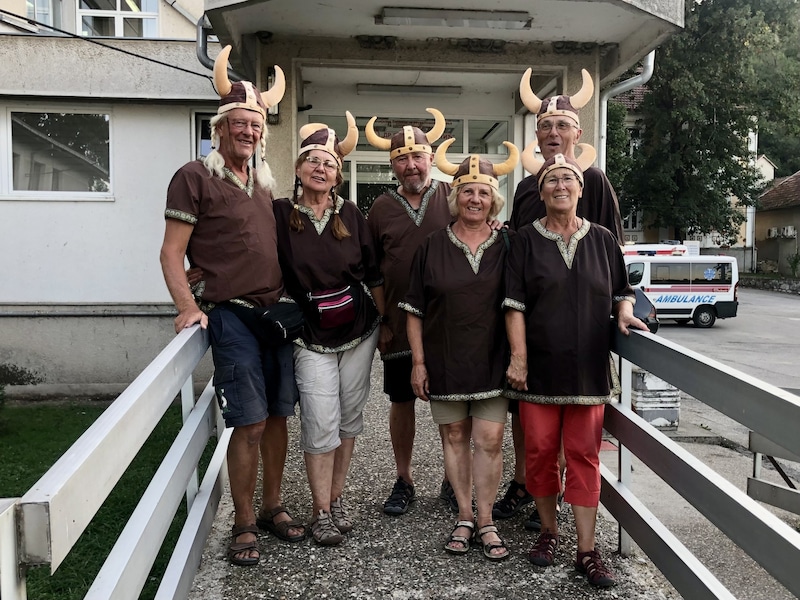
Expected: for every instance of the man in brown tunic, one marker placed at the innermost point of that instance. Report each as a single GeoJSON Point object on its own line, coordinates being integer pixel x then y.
{"type": "Point", "coordinates": [400, 220]}
{"type": "Point", "coordinates": [558, 132]}
{"type": "Point", "coordinates": [219, 215]}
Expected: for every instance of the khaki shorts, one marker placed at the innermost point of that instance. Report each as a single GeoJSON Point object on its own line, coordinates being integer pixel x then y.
{"type": "Point", "coordinates": [446, 412]}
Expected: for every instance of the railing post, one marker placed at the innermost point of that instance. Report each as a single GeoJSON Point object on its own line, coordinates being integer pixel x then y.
{"type": "Point", "coordinates": [624, 456]}
{"type": "Point", "coordinates": [187, 404]}
{"type": "Point", "coordinates": [12, 573]}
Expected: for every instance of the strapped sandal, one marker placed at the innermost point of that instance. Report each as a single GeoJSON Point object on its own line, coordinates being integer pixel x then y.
{"type": "Point", "coordinates": [460, 539]}
{"type": "Point", "coordinates": [324, 531]}
{"type": "Point", "coordinates": [596, 572]}
{"type": "Point", "coordinates": [243, 547]}
{"type": "Point", "coordinates": [544, 550]}
{"type": "Point", "coordinates": [512, 501]}
{"type": "Point", "coordinates": [487, 548]}
{"type": "Point", "coordinates": [280, 529]}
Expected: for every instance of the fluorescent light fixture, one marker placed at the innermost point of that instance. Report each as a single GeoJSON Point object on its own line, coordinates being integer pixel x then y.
{"type": "Point", "coordinates": [380, 89]}
{"type": "Point", "coordinates": [437, 17]}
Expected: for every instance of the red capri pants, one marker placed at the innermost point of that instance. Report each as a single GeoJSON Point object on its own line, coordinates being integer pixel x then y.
{"type": "Point", "coordinates": [581, 427]}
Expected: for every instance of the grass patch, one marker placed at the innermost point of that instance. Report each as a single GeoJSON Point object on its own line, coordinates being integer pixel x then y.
{"type": "Point", "coordinates": [32, 438]}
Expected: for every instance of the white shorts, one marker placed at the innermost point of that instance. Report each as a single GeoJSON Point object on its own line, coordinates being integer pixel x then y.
{"type": "Point", "coordinates": [334, 389]}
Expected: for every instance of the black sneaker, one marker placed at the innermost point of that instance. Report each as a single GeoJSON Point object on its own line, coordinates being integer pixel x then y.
{"type": "Point", "coordinates": [449, 496]}
{"type": "Point", "coordinates": [512, 501]}
{"type": "Point", "coordinates": [402, 495]}
{"type": "Point", "coordinates": [534, 521]}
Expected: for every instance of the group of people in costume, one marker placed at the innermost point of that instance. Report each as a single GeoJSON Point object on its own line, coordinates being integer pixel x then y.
{"type": "Point", "coordinates": [477, 318]}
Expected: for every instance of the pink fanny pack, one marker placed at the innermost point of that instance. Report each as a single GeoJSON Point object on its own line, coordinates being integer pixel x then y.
{"type": "Point", "coordinates": [334, 307]}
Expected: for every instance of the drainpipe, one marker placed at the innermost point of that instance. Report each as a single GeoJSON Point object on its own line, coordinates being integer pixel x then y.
{"type": "Point", "coordinates": [203, 31]}
{"type": "Point", "coordinates": [647, 72]}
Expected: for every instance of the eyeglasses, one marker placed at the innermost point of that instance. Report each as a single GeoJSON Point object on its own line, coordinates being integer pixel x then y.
{"type": "Point", "coordinates": [561, 126]}
{"type": "Point", "coordinates": [416, 157]}
{"type": "Point", "coordinates": [241, 124]}
{"type": "Point", "coordinates": [316, 161]}
{"type": "Point", "coordinates": [567, 180]}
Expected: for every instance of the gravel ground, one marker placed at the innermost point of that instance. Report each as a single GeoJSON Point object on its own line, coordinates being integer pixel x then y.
{"type": "Point", "coordinates": [399, 558]}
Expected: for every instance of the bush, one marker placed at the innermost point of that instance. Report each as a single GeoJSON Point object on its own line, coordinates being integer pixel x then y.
{"type": "Point", "coordinates": [794, 263]}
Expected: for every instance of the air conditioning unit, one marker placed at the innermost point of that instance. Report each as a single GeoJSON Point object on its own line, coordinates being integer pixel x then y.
{"type": "Point", "coordinates": [789, 232]}
{"type": "Point", "coordinates": [772, 232]}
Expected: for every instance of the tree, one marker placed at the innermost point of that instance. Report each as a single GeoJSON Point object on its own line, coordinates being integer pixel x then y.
{"type": "Point", "coordinates": [708, 91]}
{"type": "Point", "coordinates": [618, 152]}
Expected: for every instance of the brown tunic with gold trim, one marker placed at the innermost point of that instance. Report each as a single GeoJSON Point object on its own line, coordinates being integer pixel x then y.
{"type": "Point", "coordinates": [459, 297]}
{"type": "Point", "coordinates": [233, 239]}
{"type": "Point", "coordinates": [598, 203]}
{"type": "Point", "coordinates": [398, 230]}
{"type": "Point", "coordinates": [314, 260]}
{"type": "Point", "coordinates": [566, 291]}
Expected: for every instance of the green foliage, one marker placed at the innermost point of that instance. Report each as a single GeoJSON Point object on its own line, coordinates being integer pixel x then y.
{"type": "Point", "coordinates": [709, 89]}
{"type": "Point", "coordinates": [618, 155]}
{"type": "Point", "coordinates": [33, 439]}
{"type": "Point", "coordinates": [14, 375]}
{"type": "Point", "coordinates": [794, 263]}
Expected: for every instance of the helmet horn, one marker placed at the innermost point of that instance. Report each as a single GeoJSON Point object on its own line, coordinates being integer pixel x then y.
{"type": "Point", "coordinates": [275, 94]}
{"type": "Point", "coordinates": [529, 99]}
{"type": "Point", "coordinates": [529, 161]}
{"type": "Point", "coordinates": [373, 138]}
{"type": "Point", "coordinates": [438, 126]}
{"type": "Point", "coordinates": [444, 165]}
{"type": "Point", "coordinates": [583, 96]}
{"type": "Point", "coordinates": [347, 145]}
{"type": "Point", "coordinates": [586, 157]}
{"type": "Point", "coordinates": [221, 81]}
{"type": "Point", "coordinates": [511, 162]}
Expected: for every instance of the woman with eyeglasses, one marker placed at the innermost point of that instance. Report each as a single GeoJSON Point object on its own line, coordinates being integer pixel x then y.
{"type": "Point", "coordinates": [565, 278]}
{"type": "Point", "coordinates": [331, 270]}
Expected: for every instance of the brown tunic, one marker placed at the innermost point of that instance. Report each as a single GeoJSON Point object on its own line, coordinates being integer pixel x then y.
{"type": "Point", "coordinates": [459, 297]}
{"type": "Point", "coordinates": [598, 203]}
{"type": "Point", "coordinates": [566, 291]}
{"type": "Point", "coordinates": [314, 260]}
{"type": "Point", "coordinates": [398, 230]}
{"type": "Point", "coordinates": [233, 239]}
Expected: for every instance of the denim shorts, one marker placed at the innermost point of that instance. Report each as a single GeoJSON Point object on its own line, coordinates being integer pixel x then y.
{"type": "Point", "coordinates": [252, 381]}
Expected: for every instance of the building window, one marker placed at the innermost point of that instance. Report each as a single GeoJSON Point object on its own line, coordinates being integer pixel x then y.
{"type": "Point", "coordinates": [202, 134]}
{"type": "Point", "coordinates": [118, 18]}
{"type": "Point", "coordinates": [42, 11]}
{"type": "Point", "coordinates": [60, 152]}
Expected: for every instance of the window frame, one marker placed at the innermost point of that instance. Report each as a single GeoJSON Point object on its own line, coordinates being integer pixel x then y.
{"type": "Point", "coordinates": [7, 191]}
{"type": "Point", "coordinates": [119, 17]}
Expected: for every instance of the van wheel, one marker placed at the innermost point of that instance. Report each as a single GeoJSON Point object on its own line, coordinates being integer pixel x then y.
{"type": "Point", "coordinates": [704, 317]}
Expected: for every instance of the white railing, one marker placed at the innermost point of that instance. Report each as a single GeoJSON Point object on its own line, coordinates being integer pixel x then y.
{"type": "Point", "coordinates": [43, 525]}
{"type": "Point", "coordinates": [765, 409]}
{"type": "Point", "coordinates": [49, 518]}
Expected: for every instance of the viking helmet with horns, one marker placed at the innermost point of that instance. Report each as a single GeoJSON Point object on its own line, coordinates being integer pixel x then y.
{"type": "Point", "coordinates": [541, 168]}
{"type": "Point", "coordinates": [409, 139]}
{"type": "Point", "coordinates": [318, 136]}
{"type": "Point", "coordinates": [475, 169]}
{"type": "Point", "coordinates": [566, 106]}
{"type": "Point", "coordinates": [243, 94]}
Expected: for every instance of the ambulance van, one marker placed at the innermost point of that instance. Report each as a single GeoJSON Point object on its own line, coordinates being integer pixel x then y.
{"type": "Point", "coordinates": [699, 288]}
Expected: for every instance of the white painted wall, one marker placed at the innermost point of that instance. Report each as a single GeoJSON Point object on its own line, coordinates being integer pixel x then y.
{"type": "Point", "coordinates": [100, 252]}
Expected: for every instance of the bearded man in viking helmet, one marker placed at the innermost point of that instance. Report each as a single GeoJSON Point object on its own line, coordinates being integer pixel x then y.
{"type": "Point", "coordinates": [219, 216]}
{"type": "Point", "coordinates": [400, 219]}
{"type": "Point", "coordinates": [558, 131]}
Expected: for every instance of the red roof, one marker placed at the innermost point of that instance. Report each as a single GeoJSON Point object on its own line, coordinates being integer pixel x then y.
{"type": "Point", "coordinates": [785, 194]}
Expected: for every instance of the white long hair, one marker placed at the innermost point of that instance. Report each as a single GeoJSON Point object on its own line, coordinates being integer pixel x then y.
{"type": "Point", "coordinates": [214, 162]}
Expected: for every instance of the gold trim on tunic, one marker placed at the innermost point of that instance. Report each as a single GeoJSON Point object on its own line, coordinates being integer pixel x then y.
{"type": "Point", "coordinates": [567, 251]}
{"type": "Point", "coordinates": [474, 259]}
{"type": "Point", "coordinates": [172, 213]}
{"type": "Point", "coordinates": [417, 215]}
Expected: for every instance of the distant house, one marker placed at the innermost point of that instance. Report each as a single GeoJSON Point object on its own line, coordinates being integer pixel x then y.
{"type": "Point", "coordinates": [777, 222]}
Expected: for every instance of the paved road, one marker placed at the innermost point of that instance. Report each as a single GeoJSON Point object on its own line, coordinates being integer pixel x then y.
{"type": "Point", "coordinates": [762, 341]}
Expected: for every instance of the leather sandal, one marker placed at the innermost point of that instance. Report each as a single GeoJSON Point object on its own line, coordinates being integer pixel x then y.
{"type": "Point", "coordinates": [487, 548]}
{"type": "Point", "coordinates": [544, 550]}
{"type": "Point", "coordinates": [460, 539]}
{"type": "Point", "coordinates": [280, 529]}
{"type": "Point", "coordinates": [243, 547]}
